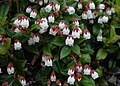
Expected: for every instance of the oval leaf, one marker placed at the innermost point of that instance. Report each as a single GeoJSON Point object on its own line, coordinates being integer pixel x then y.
{"type": "Point", "coordinates": [101, 54]}
{"type": "Point", "coordinates": [65, 52]}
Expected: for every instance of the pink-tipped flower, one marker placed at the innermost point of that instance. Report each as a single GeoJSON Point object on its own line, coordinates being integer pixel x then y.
{"type": "Point", "coordinates": [56, 7]}
{"type": "Point", "coordinates": [86, 34]}
{"type": "Point", "coordinates": [48, 8]}
{"type": "Point", "coordinates": [79, 77]}
{"type": "Point", "coordinates": [58, 82]}
{"type": "Point", "coordinates": [24, 22]}
{"type": "Point", "coordinates": [69, 40]}
{"type": "Point", "coordinates": [71, 71]}
{"type": "Point", "coordinates": [22, 80]}
{"type": "Point", "coordinates": [84, 15]}
{"type": "Point", "coordinates": [87, 70]}
{"type": "Point", "coordinates": [29, 9]}
{"type": "Point", "coordinates": [71, 79]}
{"type": "Point", "coordinates": [33, 13]}
{"type": "Point", "coordinates": [101, 6]}
{"type": "Point", "coordinates": [76, 32]}
{"type": "Point", "coordinates": [76, 22]}
{"type": "Point", "coordinates": [40, 2]}
{"type": "Point", "coordinates": [65, 84]}
{"type": "Point", "coordinates": [49, 82]}
{"type": "Point", "coordinates": [89, 14]}
{"type": "Point", "coordinates": [53, 76]}
{"type": "Point", "coordinates": [94, 74]}
{"type": "Point", "coordinates": [18, 21]}
{"type": "Point", "coordinates": [4, 40]}
{"type": "Point", "coordinates": [105, 19]}
{"type": "Point", "coordinates": [79, 67]}
{"type": "Point", "coordinates": [10, 69]}
{"type": "Point", "coordinates": [66, 30]}
{"type": "Point", "coordinates": [70, 10]}
{"type": "Point", "coordinates": [54, 30]}
{"type": "Point", "coordinates": [17, 45]}
{"type": "Point", "coordinates": [5, 84]}
{"type": "Point", "coordinates": [80, 5]}
{"type": "Point", "coordinates": [44, 24]}
{"type": "Point", "coordinates": [48, 61]}
{"type": "Point", "coordinates": [51, 18]}
{"type": "Point", "coordinates": [16, 29]}
{"type": "Point", "coordinates": [37, 21]}
{"type": "Point", "coordinates": [92, 5]}
{"type": "Point", "coordinates": [62, 24]}
{"type": "Point", "coordinates": [36, 38]}
{"type": "Point", "coordinates": [108, 11]}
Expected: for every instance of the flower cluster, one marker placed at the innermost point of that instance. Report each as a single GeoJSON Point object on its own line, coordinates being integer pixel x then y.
{"type": "Point", "coordinates": [86, 71]}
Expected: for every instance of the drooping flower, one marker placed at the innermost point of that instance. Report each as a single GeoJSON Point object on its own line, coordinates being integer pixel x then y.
{"type": "Point", "coordinates": [40, 2]}
{"type": "Point", "coordinates": [24, 22]}
{"type": "Point", "coordinates": [71, 79]}
{"type": "Point", "coordinates": [29, 9]}
{"type": "Point", "coordinates": [18, 21]}
{"type": "Point", "coordinates": [105, 19]}
{"type": "Point", "coordinates": [36, 37]}
{"type": "Point", "coordinates": [56, 7]}
{"type": "Point", "coordinates": [22, 80]}
{"type": "Point", "coordinates": [53, 76]}
{"type": "Point", "coordinates": [31, 41]}
{"type": "Point", "coordinates": [76, 32]}
{"type": "Point", "coordinates": [44, 19]}
{"type": "Point", "coordinates": [71, 71]}
{"type": "Point", "coordinates": [99, 38]}
{"type": "Point", "coordinates": [16, 28]}
{"type": "Point", "coordinates": [76, 22]}
{"type": "Point", "coordinates": [65, 84]}
{"type": "Point", "coordinates": [66, 30]}
{"type": "Point", "coordinates": [86, 34]}
{"type": "Point", "coordinates": [51, 18]}
{"type": "Point", "coordinates": [33, 13]}
{"type": "Point", "coordinates": [37, 21]}
{"type": "Point", "coordinates": [101, 6]}
{"type": "Point", "coordinates": [48, 61]}
{"type": "Point", "coordinates": [69, 40]}
{"type": "Point", "coordinates": [17, 45]}
{"type": "Point", "coordinates": [10, 69]}
{"type": "Point", "coordinates": [100, 20]}
{"type": "Point", "coordinates": [79, 77]}
{"type": "Point", "coordinates": [91, 21]}
{"type": "Point", "coordinates": [84, 15]}
{"type": "Point", "coordinates": [108, 11]}
{"type": "Point", "coordinates": [4, 40]}
{"type": "Point", "coordinates": [112, 10]}
{"type": "Point", "coordinates": [44, 24]}
{"type": "Point", "coordinates": [87, 70]}
{"type": "Point", "coordinates": [89, 14]}
{"type": "Point", "coordinates": [48, 8]}
{"type": "Point", "coordinates": [5, 84]}
{"type": "Point", "coordinates": [58, 82]}
{"type": "Point", "coordinates": [54, 30]}
{"type": "Point", "coordinates": [70, 10]}
{"type": "Point", "coordinates": [62, 24]}
{"type": "Point", "coordinates": [79, 5]}
{"type": "Point", "coordinates": [94, 74]}
{"type": "Point", "coordinates": [79, 67]}
{"type": "Point", "coordinates": [92, 5]}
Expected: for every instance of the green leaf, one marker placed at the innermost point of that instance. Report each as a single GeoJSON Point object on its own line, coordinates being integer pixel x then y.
{"type": "Point", "coordinates": [87, 81]}
{"type": "Point", "coordinates": [85, 58]}
{"type": "Point", "coordinates": [2, 31]}
{"type": "Point", "coordinates": [8, 43]}
{"type": "Point", "coordinates": [58, 41]}
{"type": "Point", "coordinates": [65, 52]}
{"type": "Point", "coordinates": [34, 27]}
{"type": "Point", "coordinates": [96, 29]}
{"type": "Point", "coordinates": [78, 41]}
{"type": "Point", "coordinates": [4, 8]}
{"type": "Point", "coordinates": [19, 65]}
{"type": "Point", "coordinates": [76, 49]}
{"type": "Point", "coordinates": [101, 54]}
{"type": "Point", "coordinates": [112, 31]}
{"type": "Point", "coordinates": [98, 1]}
{"type": "Point", "coordinates": [2, 50]}
{"type": "Point", "coordinates": [102, 82]}
{"type": "Point", "coordinates": [46, 50]}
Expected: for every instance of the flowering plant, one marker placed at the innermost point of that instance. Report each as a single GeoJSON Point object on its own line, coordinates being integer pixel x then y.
{"type": "Point", "coordinates": [59, 43]}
